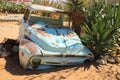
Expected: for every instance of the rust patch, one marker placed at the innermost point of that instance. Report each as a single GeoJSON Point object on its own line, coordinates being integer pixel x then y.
{"type": "Point", "coordinates": [24, 41]}
{"type": "Point", "coordinates": [69, 34]}
{"type": "Point", "coordinates": [43, 32]}
{"type": "Point", "coordinates": [29, 45]}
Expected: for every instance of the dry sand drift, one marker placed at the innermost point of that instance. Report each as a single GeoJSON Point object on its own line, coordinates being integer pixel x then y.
{"type": "Point", "coordinates": [11, 70]}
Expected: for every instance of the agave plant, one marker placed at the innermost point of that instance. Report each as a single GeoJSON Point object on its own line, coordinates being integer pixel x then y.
{"type": "Point", "coordinates": [102, 26]}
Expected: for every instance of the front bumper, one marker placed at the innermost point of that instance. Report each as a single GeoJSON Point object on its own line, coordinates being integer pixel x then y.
{"type": "Point", "coordinates": [55, 60]}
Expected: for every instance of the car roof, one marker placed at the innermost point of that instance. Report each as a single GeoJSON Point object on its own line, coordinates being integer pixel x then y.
{"type": "Point", "coordinates": [45, 8]}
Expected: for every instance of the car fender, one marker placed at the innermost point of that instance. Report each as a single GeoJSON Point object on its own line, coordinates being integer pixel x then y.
{"type": "Point", "coordinates": [28, 47]}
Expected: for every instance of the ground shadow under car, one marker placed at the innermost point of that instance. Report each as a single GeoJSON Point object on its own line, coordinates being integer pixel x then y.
{"type": "Point", "coordinates": [12, 65]}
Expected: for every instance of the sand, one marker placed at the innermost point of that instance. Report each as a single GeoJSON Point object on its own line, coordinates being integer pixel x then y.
{"type": "Point", "coordinates": [11, 70]}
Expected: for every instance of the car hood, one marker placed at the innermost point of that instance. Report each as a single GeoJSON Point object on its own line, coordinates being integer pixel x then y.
{"type": "Point", "coordinates": [58, 40]}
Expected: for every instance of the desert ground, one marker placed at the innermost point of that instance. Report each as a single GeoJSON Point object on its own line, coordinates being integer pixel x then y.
{"type": "Point", "coordinates": [11, 70]}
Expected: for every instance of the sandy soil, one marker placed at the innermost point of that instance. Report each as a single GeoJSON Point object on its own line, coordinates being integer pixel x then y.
{"type": "Point", "coordinates": [11, 70]}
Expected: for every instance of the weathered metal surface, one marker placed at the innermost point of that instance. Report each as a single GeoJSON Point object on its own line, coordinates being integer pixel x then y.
{"type": "Point", "coordinates": [52, 45]}
{"type": "Point", "coordinates": [43, 32]}
{"type": "Point", "coordinates": [28, 45]}
{"type": "Point", "coordinates": [62, 41]}
{"type": "Point", "coordinates": [45, 8]}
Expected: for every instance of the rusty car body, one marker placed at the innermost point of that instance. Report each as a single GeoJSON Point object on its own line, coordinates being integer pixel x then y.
{"type": "Point", "coordinates": [44, 41]}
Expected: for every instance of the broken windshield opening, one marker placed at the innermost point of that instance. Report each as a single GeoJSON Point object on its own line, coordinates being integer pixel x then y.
{"type": "Point", "coordinates": [49, 18]}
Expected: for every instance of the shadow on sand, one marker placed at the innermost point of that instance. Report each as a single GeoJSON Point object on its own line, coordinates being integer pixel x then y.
{"type": "Point", "coordinates": [13, 66]}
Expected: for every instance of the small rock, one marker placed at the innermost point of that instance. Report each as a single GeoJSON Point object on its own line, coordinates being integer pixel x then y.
{"type": "Point", "coordinates": [110, 60]}
{"type": "Point", "coordinates": [117, 59]}
{"type": "Point", "coordinates": [101, 61]}
{"type": "Point", "coordinates": [5, 54]}
{"type": "Point", "coordinates": [118, 76]}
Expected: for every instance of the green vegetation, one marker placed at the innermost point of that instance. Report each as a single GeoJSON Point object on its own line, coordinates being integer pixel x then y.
{"type": "Point", "coordinates": [102, 28]}
{"type": "Point", "coordinates": [5, 6]}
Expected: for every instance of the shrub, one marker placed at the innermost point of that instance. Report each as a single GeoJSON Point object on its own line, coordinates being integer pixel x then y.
{"type": "Point", "coordinates": [12, 7]}
{"type": "Point", "coordinates": [102, 27]}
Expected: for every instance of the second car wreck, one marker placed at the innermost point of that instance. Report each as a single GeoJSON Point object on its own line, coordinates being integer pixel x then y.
{"type": "Point", "coordinates": [45, 41]}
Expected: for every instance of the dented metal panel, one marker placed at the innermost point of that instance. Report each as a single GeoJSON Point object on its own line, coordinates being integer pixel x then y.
{"type": "Point", "coordinates": [63, 41]}
{"type": "Point", "coordinates": [30, 46]}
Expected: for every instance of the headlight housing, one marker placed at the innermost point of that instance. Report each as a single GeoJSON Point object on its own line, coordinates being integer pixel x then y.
{"type": "Point", "coordinates": [35, 62]}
